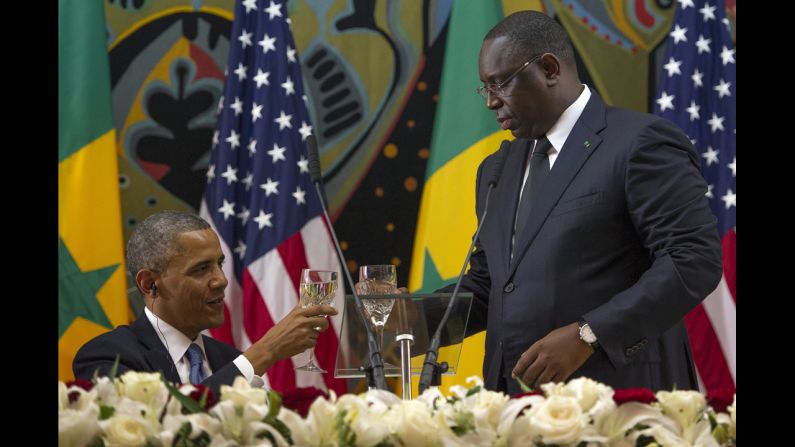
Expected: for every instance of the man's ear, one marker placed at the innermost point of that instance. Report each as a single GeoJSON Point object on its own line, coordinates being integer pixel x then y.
{"type": "Point", "coordinates": [146, 280]}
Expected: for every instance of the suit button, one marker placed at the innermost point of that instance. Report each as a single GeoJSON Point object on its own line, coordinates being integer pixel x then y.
{"type": "Point", "coordinates": [508, 288]}
{"type": "Point", "coordinates": [629, 352]}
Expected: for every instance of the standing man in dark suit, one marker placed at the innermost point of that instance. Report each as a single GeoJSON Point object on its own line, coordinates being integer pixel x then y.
{"type": "Point", "coordinates": [176, 261]}
{"type": "Point", "coordinates": [599, 238]}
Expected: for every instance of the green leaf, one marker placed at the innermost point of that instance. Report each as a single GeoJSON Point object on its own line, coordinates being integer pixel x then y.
{"type": "Point", "coordinates": [187, 403]}
{"type": "Point", "coordinates": [474, 390]}
{"type": "Point", "coordinates": [114, 369]}
{"type": "Point", "coordinates": [281, 427]}
{"type": "Point", "coordinates": [274, 403]}
{"type": "Point", "coordinates": [105, 412]}
{"type": "Point", "coordinates": [346, 437]}
{"type": "Point", "coordinates": [523, 386]}
{"type": "Point", "coordinates": [645, 441]}
{"type": "Point", "coordinates": [96, 442]}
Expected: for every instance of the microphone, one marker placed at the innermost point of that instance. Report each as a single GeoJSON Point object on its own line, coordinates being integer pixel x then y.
{"type": "Point", "coordinates": [431, 370]}
{"type": "Point", "coordinates": [375, 373]}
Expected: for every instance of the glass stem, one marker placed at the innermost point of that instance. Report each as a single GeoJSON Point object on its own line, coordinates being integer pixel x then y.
{"type": "Point", "coordinates": [312, 357]}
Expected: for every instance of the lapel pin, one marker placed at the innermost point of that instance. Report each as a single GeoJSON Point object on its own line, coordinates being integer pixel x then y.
{"type": "Point", "coordinates": [587, 144]}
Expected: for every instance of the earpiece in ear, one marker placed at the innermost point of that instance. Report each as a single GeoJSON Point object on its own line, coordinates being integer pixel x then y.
{"type": "Point", "coordinates": [154, 288]}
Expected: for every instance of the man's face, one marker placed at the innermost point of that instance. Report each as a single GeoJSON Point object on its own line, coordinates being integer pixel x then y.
{"type": "Point", "coordinates": [191, 289]}
{"type": "Point", "coordinates": [526, 108]}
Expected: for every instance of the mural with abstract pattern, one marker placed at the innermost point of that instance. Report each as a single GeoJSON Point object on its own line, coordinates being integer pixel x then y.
{"type": "Point", "coordinates": [371, 70]}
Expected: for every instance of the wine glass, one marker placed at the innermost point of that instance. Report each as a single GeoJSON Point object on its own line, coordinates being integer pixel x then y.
{"type": "Point", "coordinates": [316, 287]}
{"type": "Point", "coordinates": [377, 280]}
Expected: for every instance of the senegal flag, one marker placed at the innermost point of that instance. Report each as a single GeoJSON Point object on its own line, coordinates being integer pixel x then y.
{"type": "Point", "coordinates": [92, 295]}
{"type": "Point", "coordinates": [464, 133]}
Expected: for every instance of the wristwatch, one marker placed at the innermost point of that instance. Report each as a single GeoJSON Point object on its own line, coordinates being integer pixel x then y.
{"type": "Point", "coordinates": [587, 335]}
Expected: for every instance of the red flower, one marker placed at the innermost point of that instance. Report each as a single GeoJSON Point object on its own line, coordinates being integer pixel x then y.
{"type": "Point", "coordinates": [643, 395]}
{"type": "Point", "coordinates": [197, 393]}
{"type": "Point", "coordinates": [300, 399]}
{"type": "Point", "coordinates": [720, 398]}
{"type": "Point", "coordinates": [81, 383]}
{"type": "Point", "coordinates": [531, 393]}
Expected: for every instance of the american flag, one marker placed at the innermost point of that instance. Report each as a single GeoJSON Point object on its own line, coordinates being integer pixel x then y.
{"type": "Point", "coordinates": [697, 91]}
{"type": "Point", "coordinates": [259, 197]}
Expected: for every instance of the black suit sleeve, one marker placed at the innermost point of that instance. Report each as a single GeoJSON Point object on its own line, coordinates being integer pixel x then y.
{"type": "Point", "coordinates": [665, 197]}
{"type": "Point", "coordinates": [99, 355]}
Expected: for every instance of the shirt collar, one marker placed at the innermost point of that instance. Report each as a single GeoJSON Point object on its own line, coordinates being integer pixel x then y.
{"type": "Point", "coordinates": [175, 341]}
{"type": "Point", "coordinates": [559, 132]}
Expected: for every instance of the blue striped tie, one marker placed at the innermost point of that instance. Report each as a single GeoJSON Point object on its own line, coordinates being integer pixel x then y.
{"type": "Point", "coordinates": [196, 371]}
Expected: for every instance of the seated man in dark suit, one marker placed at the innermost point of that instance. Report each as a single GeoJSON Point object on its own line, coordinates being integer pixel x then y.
{"type": "Point", "coordinates": [176, 261]}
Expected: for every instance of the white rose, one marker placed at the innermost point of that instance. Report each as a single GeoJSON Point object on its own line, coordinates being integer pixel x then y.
{"type": "Point", "coordinates": [321, 420]}
{"type": "Point", "coordinates": [241, 393]}
{"type": "Point", "coordinates": [413, 422]}
{"type": "Point", "coordinates": [125, 430]}
{"type": "Point", "coordinates": [595, 399]}
{"type": "Point", "coordinates": [733, 410]}
{"type": "Point", "coordinates": [368, 423]}
{"type": "Point", "coordinates": [107, 394]}
{"type": "Point", "coordinates": [77, 427]}
{"type": "Point", "coordinates": [199, 422]}
{"type": "Point", "coordinates": [685, 407]}
{"type": "Point", "coordinates": [559, 420]}
{"type": "Point", "coordinates": [63, 396]}
{"type": "Point", "coordinates": [143, 387]}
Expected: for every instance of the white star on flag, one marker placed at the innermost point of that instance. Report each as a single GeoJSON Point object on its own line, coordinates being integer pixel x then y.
{"type": "Point", "coordinates": [241, 249]}
{"type": "Point", "coordinates": [299, 195]}
{"type": "Point", "coordinates": [267, 43]}
{"type": "Point", "coordinates": [284, 120]}
{"type": "Point", "coordinates": [240, 71]}
{"type": "Point", "coordinates": [289, 87]}
{"type": "Point", "coordinates": [679, 34]}
{"type": "Point", "coordinates": [228, 209]}
{"type": "Point", "coordinates": [270, 187]}
{"type": "Point", "coordinates": [277, 153]}
{"type": "Point", "coordinates": [303, 165]}
{"type": "Point", "coordinates": [274, 10]}
{"type": "Point", "coordinates": [230, 174]}
{"type": "Point", "coordinates": [263, 219]}
{"type": "Point", "coordinates": [237, 106]}
{"type": "Point", "coordinates": [711, 155]}
{"type": "Point", "coordinates": [245, 39]}
{"type": "Point", "coordinates": [693, 110]}
{"type": "Point", "coordinates": [262, 78]}
{"type": "Point", "coordinates": [672, 67]}
{"type": "Point", "coordinates": [305, 130]}
{"type": "Point", "coordinates": [722, 88]}
{"type": "Point", "coordinates": [243, 215]}
{"type": "Point", "coordinates": [730, 199]}
{"type": "Point", "coordinates": [666, 101]}
{"type": "Point", "coordinates": [233, 139]}
{"type": "Point", "coordinates": [715, 123]}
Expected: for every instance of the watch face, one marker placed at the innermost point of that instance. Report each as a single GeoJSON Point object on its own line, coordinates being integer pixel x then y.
{"type": "Point", "coordinates": [587, 335]}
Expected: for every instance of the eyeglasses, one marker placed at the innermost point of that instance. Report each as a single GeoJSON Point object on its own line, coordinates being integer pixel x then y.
{"type": "Point", "coordinates": [498, 89]}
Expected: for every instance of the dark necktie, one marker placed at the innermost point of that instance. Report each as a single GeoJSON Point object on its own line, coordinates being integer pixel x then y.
{"type": "Point", "coordinates": [539, 168]}
{"type": "Point", "coordinates": [196, 371]}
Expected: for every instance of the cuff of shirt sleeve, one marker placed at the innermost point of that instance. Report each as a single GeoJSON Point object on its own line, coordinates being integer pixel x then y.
{"type": "Point", "coordinates": [247, 370]}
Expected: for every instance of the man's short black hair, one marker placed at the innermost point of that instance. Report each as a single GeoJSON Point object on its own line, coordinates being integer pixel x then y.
{"type": "Point", "coordinates": [532, 33]}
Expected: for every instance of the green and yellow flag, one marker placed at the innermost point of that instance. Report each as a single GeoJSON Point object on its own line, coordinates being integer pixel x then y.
{"type": "Point", "coordinates": [464, 133]}
{"type": "Point", "coordinates": [92, 296]}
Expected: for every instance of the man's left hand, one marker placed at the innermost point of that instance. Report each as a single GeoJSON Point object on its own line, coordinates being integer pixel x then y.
{"type": "Point", "coordinates": [553, 358]}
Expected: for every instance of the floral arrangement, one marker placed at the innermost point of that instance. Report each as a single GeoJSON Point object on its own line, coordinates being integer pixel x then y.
{"type": "Point", "coordinates": [141, 409]}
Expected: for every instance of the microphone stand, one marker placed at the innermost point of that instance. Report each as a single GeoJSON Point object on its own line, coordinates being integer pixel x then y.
{"type": "Point", "coordinates": [432, 370]}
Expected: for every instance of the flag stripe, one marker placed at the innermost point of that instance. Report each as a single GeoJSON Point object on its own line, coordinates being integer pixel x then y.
{"type": "Point", "coordinates": [720, 308]}
{"type": "Point", "coordinates": [707, 352]}
{"type": "Point", "coordinates": [730, 261]}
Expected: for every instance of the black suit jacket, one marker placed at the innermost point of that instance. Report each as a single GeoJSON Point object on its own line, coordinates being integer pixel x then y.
{"type": "Point", "coordinates": [621, 235]}
{"type": "Point", "coordinates": [140, 349]}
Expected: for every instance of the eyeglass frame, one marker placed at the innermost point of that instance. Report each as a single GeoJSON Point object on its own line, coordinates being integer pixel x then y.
{"type": "Point", "coordinates": [483, 91]}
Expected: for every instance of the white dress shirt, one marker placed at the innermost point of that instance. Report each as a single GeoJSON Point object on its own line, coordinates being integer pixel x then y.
{"type": "Point", "coordinates": [177, 345]}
